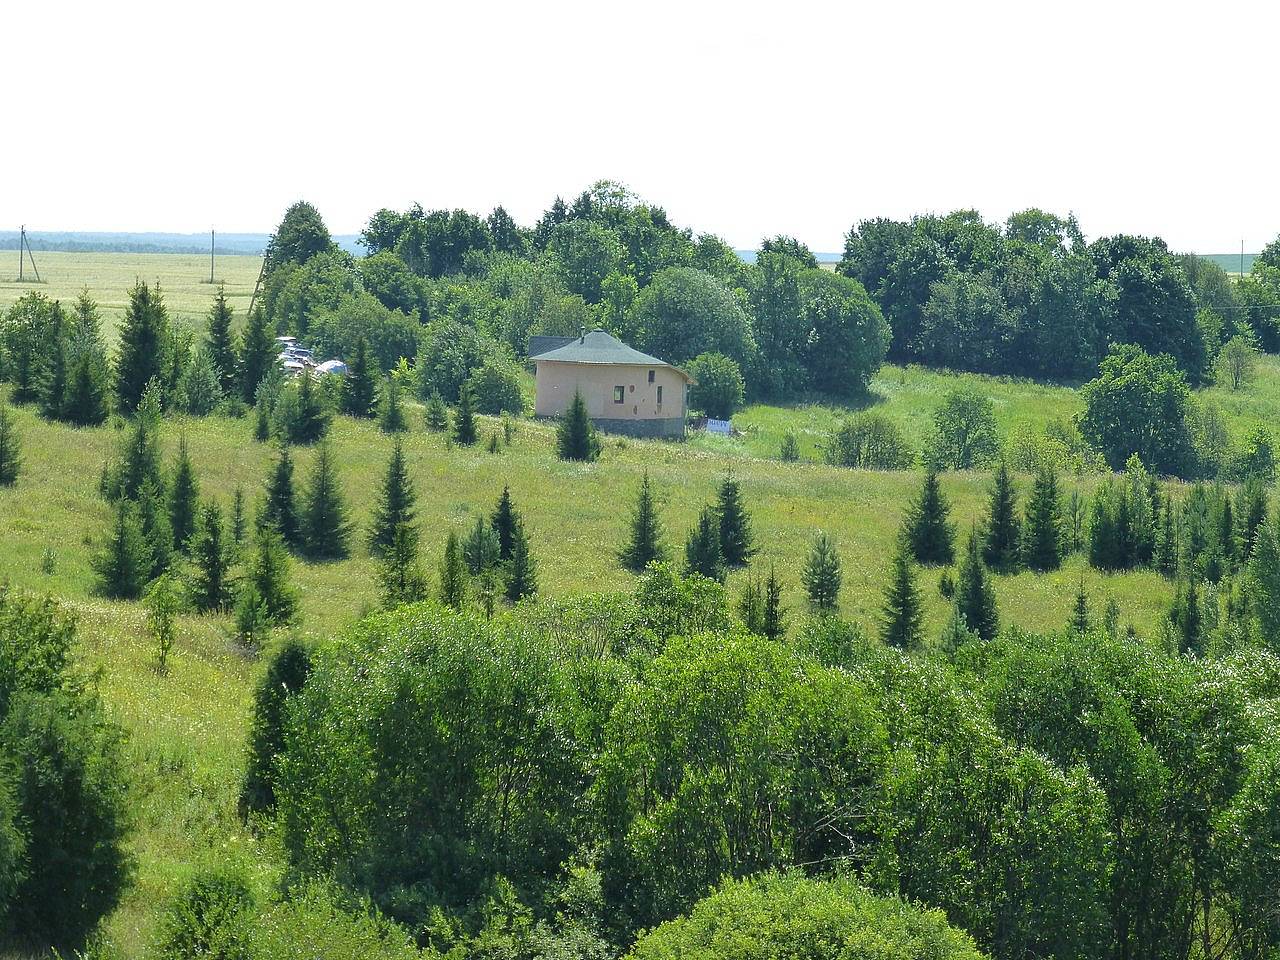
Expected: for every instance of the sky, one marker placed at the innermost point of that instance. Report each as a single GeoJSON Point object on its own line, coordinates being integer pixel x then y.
{"type": "Point", "coordinates": [741, 119]}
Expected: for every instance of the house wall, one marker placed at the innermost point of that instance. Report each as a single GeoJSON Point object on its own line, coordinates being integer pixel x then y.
{"type": "Point", "coordinates": [556, 381]}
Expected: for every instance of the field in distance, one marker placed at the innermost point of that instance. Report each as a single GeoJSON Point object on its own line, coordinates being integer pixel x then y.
{"type": "Point", "coordinates": [184, 279]}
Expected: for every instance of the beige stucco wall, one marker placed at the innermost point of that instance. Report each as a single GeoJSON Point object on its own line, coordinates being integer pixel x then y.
{"type": "Point", "coordinates": [555, 383]}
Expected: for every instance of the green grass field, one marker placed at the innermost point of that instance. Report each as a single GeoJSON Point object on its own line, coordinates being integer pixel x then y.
{"type": "Point", "coordinates": [108, 277]}
{"type": "Point", "coordinates": [187, 729]}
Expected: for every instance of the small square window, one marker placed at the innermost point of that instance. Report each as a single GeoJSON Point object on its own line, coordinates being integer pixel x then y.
{"type": "Point", "coordinates": [619, 394]}
{"type": "Point", "coordinates": [651, 378]}
{"type": "Point", "coordinates": [659, 396]}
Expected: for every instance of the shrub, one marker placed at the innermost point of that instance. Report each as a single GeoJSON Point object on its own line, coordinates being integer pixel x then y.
{"type": "Point", "coordinates": [207, 919]}
{"type": "Point", "coordinates": [718, 388]}
{"type": "Point", "coordinates": [870, 441]}
{"type": "Point", "coordinates": [801, 918]}
{"type": "Point", "coordinates": [495, 386]}
{"type": "Point", "coordinates": [964, 432]}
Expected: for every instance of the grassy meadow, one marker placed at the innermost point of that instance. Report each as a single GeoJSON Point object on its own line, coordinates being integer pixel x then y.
{"type": "Point", "coordinates": [187, 729]}
{"type": "Point", "coordinates": [108, 277]}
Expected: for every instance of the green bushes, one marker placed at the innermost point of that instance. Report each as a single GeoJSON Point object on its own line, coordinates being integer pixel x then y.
{"type": "Point", "coordinates": [790, 915]}
{"type": "Point", "coordinates": [718, 387]}
{"type": "Point", "coordinates": [870, 441]}
{"type": "Point", "coordinates": [63, 826]}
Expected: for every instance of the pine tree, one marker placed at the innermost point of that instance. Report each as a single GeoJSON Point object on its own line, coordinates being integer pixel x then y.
{"type": "Point", "coordinates": [453, 575]}
{"type": "Point", "coordinates": [504, 521]}
{"type": "Point", "coordinates": [87, 386]}
{"type": "Point", "coordinates": [325, 530]}
{"type": "Point", "coordinates": [1079, 623]}
{"type": "Point", "coordinates": [1187, 619]}
{"type": "Point", "coordinates": [929, 536]}
{"type": "Point", "coordinates": [1002, 542]}
{"type": "Point", "coordinates": [576, 436]}
{"type": "Point", "coordinates": [736, 541]}
{"type": "Point", "coordinates": [975, 596]}
{"type": "Point", "coordinates": [239, 523]}
{"type": "Point", "coordinates": [153, 510]}
{"type": "Point", "coordinates": [257, 355]}
{"type": "Point", "coordinates": [212, 561]}
{"type": "Point", "coordinates": [122, 566]}
{"type": "Point", "coordinates": [646, 545]}
{"type": "Point", "coordinates": [395, 506]}
{"type": "Point", "coordinates": [522, 575]}
{"type": "Point", "coordinates": [822, 575]}
{"type": "Point", "coordinates": [391, 413]}
{"type": "Point", "coordinates": [141, 460]}
{"type": "Point", "coordinates": [1042, 530]}
{"type": "Point", "coordinates": [436, 414]}
{"type": "Point", "coordinates": [464, 420]}
{"type": "Point", "coordinates": [268, 576]}
{"type": "Point", "coordinates": [956, 634]}
{"type": "Point", "coordinates": [289, 669]}
{"type": "Point", "coordinates": [360, 387]}
{"type": "Point", "coordinates": [144, 353]}
{"type": "Point", "coordinates": [280, 511]}
{"type": "Point", "coordinates": [775, 622]}
{"type": "Point", "coordinates": [54, 377]}
{"type": "Point", "coordinates": [901, 620]}
{"type": "Point", "coordinates": [221, 345]}
{"type": "Point", "coordinates": [184, 494]}
{"type": "Point", "coordinates": [399, 575]}
{"type": "Point", "coordinates": [481, 549]}
{"type": "Point", "coordinates": [10, 448]}
{"type": "Point", "coordinates": [253, 624]}
{"type": "Point", "coordinates": [702, 549]}
{"type": "Point", "coordinates": [751, 606]}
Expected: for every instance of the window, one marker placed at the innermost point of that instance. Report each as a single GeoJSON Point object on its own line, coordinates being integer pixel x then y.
{"type": "Point", "coordinates": [659, 396]}
{"type": "Point", "coordinates": [619, 394]}
{"type": "Point", "coordinates": [651, 378]}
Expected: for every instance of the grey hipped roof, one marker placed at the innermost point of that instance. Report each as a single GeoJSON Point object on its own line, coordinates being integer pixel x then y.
{"type": "Point", "coordinates": [599, 347]}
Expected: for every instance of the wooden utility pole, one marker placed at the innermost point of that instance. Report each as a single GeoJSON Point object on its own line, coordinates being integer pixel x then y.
{"type": "Point", "coordinates": [24, 246]}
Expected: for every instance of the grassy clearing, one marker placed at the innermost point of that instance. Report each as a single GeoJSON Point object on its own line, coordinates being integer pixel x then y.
{"type": "Point", "coordinates": [108, 276]}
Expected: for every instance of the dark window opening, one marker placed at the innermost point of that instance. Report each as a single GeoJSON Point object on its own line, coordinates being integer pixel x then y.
{"type": "Point", "coordinates": [659, 396]}
{"type": "Point", "coordinates": [619, 394]}
{"type": "Point", "coordinates": [651, 378]}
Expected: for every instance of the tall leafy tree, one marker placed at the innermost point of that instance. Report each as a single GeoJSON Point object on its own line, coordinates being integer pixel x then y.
{"type": "Point", "coordinates": [576, 436]}
{"type": "Point", "coordinates": [325, 530]}
{"type": "Point", "coordinates": [737, 544]}
{"type": "Point", "coordinates": [822, 575]}
{"type": "Point", "coordinates": [300, 236]}
{"type": "Point", "coordinates": [212, 560]}
{"type": "Point", "coordinates": [145, 346]}
{"type": "Point", "coordinates": [220, 344]}
{"type": "Point", "coordinates": [122, 566]}
{"type": "Point", "coordinates": [257, 354]}
{"type": "Point", "coordinates": [10, 448]}
{"type": "Point", "coordinates": [280, 509]}
{"type": "Point", "coordinates": [395, 504]}
{"type": "Point", "coordinates": [702, 549]}
{"type": "Point", "coordinates": [360, 386]}
{"type": "Point", "coordinates": [1002, 540]}
{"type": "Point", "coordinates": [902, 617]}
{"type": "Point", "coordinates": [1042, 529]}
{"type": "Point", "coordinates": [927, 531]}
{"type": "Point", "coordinates": [645, 545]}
{"type": "Point", "coordinates": [975, 594]}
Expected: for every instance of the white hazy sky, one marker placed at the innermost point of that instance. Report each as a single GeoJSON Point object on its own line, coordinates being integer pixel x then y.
{"type": "Point", "coordinates": [741, 119]}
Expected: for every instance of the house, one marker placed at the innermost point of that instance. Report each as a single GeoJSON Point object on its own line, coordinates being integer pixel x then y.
{"type": "Point", "coordinates": [625, 391]}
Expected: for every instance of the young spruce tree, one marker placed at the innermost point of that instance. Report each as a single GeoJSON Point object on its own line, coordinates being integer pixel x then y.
{"type": "Point", "coordinates": [481, 549]}
{"type": "Point", "coordinates": [453, 574]}
{"type": "Point", "coordinates": [122, 565]}
{"type": "Point", "coordinates": [399, 575]}
{"type": "Point", "coordinates": [1079, 624]}
{"type": "Point", "coordinates": [504, 522]}
{"type": "Point", "coordinates": [522, 574]}
{"type": "Point", "coordinates": [576, 436]}
{"type": "Point", "coordinates": [144, 346]}
{"type": "Point", "coordinates": [736, 542]}
{"type": "Point", "coordinates": [280, 510]}
{"type": "Point", "coordinates": [1002, 542]}
{"type": "Point", "coordinates": [1042, 530]}
{"type": "Point", "coordinates": [268, 578]}
{"type": "Point", "coordinates": [464, 419]}
{"type": "Point", "coordinates": [436, 414]}
{"type": "Point", "coordinates": [288, 671]}
{"type": "Point", "coordinates": [325, 530]}
{"type": "Point", "coordinates": [221, 345]}
{"type": "Point", "coordinates": [360, 387]}
{"type": "Point", "coordinates": [822, 575]}
{"type": "Point", "coordinates": [184, 495]}
{"type": "Point", "coordinates": [901, 620]}
{"type": "Point", "coordinates": [10, 448]}
{"type": "Point", "coordinates": [645, 545]}
{"type": "Point", "coordinates": [391, 417]}
{"type": "Point", "coordinates": [257, 355]}
{"type": "Point", "coordinates": [395, 505]}
{"type": "Point", "coordinates": [702, 549]}
{"type": "Point", "coordinates": [157, 528]}
{"type": "Point", "coordinates": [775, 614]}
{"type": "Point", "coordinates": [212, 559]}
{"type": "Point", "coordinates": [975, 596]}
{"type": "Point", "coordinates": [926, 531]}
